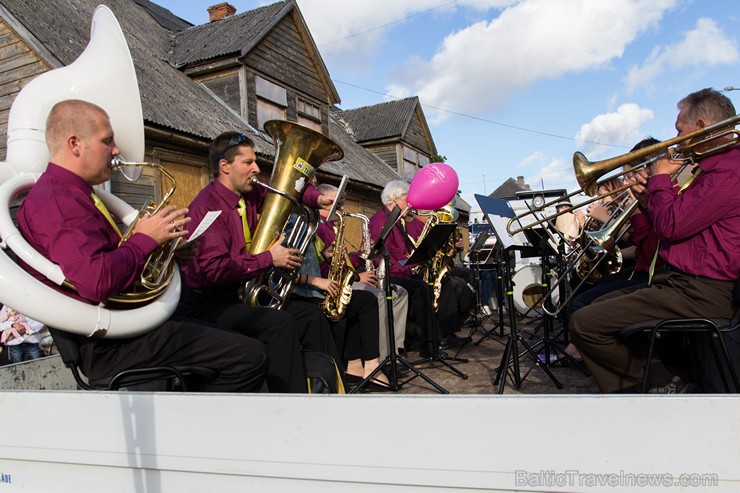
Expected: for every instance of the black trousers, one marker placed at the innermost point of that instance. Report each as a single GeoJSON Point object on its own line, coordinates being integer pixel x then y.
{"type": "Point", "coordinates": [241, 362]}
{"type": "Point", "coordinates": [445, 321]}
{"type": "Point", "coordinates": [362, 326]}
{"type": "Point", "coordinates": [278, 330]}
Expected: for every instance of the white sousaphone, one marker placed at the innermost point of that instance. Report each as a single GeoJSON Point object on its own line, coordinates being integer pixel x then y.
{"type": "Point", "coordinates": [104, 75]}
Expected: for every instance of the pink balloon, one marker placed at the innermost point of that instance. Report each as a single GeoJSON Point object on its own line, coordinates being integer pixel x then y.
{"type": "Point", "coordinates": [434, 186]}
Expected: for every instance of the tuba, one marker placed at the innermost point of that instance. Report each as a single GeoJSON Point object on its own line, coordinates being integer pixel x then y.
{"type": "Point", "coordinates": [104, 75]}
{"type": "Point", "coordinates": [299, 151]}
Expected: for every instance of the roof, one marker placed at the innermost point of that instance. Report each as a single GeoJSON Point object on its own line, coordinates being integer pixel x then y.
{"type": "Point", "coordinates": [358, 163]}
{"type": "Point", "coordinates": [170, 99]}
{"type": "Point", "coordinates": [508, 189]}
{"type": "Point", "coordinates": [227, 36]}
{"type": "Point", "coordinates": [381, 121]}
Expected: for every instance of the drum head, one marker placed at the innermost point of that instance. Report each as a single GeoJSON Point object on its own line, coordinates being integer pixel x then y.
{"type": "Point", "coordinates": [528, 290]}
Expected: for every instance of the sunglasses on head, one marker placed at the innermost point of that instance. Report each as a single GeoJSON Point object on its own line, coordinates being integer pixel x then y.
{"type": "Point", "coordinates": [234, 141]}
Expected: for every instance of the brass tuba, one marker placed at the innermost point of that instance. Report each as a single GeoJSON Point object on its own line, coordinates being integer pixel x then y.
{"type": "Point", "coordinates": [299, 151]}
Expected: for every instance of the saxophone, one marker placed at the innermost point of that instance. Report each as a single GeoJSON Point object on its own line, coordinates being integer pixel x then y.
{"type": "Point", "coordinates": [334, 307]}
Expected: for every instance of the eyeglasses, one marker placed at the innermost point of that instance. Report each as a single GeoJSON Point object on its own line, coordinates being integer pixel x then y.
{"type": "Point", "coordinates": [236, 140]}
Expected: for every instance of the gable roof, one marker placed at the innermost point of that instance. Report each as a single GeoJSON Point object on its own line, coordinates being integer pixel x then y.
{"type": "Point", "coordinates": [170, 99]}
{"type": "Point", "coordinates": [358, 163]}
{"type": "Point", "coordinates": [381, 121]}
{"type": "Point", "coordinates": [237, 35]}
{"type": "Point", "coordinates": [508, 189]}
{"type": "Point", "coordinates": [227, 36]}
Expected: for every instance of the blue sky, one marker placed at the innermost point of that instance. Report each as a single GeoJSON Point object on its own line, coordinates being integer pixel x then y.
{"type": "Point", "coordinates": [515, 87]}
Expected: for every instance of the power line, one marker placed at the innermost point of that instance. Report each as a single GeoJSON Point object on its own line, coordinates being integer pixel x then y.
{"type": "Point", "coordinates": [397, 21]}
{"type": "Point", "coordinates": [485, 120]}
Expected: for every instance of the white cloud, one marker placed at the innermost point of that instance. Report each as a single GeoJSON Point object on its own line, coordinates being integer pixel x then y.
{"type": "Point", "coordinates": [532, 160]}
{"type": "Point", "coordinates": [478, 68]}
{"type": "Point", "coordinates": [704, 46]}
{"type": "Point", "coordinates": [621, 127]}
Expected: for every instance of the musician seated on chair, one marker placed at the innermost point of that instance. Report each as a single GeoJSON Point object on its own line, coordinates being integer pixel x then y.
{"type": "Point", "coordinates": [400, 247]}
{"type": "Point", "coordinates": [369, 278]}
{"type": "Point", "coordinates": [60, 219]}
{"type": "Point", "coordinates": [223, 262]}
{"type": "Point", "coordinates": [357, 325]}
{"type": "Point", "coordinates": [699, 231]}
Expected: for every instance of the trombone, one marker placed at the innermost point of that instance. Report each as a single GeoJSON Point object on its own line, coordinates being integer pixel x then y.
{"type": "Point", "coordinates": [689, 148]}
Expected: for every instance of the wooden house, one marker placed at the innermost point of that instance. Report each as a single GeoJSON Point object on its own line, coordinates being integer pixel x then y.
{"type": "Point", "coordinates": [233, 73]}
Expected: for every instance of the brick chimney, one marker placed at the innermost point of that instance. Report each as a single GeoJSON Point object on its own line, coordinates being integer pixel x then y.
{"type": "Point", "coordinates": [220, 11]}
{"type": "Point", "coordinates": [520, 181]}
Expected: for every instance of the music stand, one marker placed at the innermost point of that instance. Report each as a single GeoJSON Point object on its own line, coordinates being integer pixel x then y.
{"type": "Point", "coordinates": [424, 254]}
{"type": "Point", "coordinates": [499, 213]}
{"type": "Point", "coordinates": [393, 357]}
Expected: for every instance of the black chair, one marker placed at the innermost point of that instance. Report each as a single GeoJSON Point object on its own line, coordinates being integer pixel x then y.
{"type": "Point", "coordinates": [714, 330]}
{"type": "Point", "coordinates": [162, 378]}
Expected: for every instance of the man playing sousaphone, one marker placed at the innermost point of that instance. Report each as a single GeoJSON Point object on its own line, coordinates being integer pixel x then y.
{"type": "Point", "coordinates": [61, 220]}
{"type": "Point", "coordinates": [699, 232]}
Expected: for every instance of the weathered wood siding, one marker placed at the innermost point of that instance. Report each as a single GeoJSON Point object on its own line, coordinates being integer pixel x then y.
{"type": "Point", "coordinates": [416, 137]}
{"type": "Point", "coordinates": [386, 152]}
{"type": "Point", "coordinates": [226, 86]}
{"type": "Point", "coordinates": [282, 56]}
{"type": "Point", "coordinates": [18, 65]}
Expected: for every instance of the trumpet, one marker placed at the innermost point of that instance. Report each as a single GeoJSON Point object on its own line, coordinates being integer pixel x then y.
{"type": "Point", "coordinates": [689, 149]}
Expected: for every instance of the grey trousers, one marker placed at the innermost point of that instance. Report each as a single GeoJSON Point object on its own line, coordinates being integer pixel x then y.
{"type": "Point", "coordinates": [400, 311]}
{"type": "Point", "coordinates": [594, 328]}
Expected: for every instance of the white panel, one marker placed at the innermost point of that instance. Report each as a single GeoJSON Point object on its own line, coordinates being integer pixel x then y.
{"type": "Point", "coordinates": [198, 442]}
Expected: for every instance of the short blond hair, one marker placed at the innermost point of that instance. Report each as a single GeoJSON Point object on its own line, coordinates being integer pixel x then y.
{"type": "Point", "coordinates": [71, 116]}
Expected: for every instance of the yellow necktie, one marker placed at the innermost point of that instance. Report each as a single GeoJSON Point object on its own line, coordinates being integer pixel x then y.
{"type": "Point", "coordinates": [694, 174]}
{"type": "Point", "coordinates": [101, 207]}
{"type": "Point", "coordinates": [242, 209]}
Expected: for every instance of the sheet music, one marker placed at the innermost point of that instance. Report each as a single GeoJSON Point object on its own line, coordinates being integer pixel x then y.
{"type": "Point", "coordinates": [204, 224]}
{"type": "Point", "coordinates": [499, 225]}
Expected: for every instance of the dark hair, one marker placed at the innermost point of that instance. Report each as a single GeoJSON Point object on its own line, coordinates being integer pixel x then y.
{"type": "Point", "coordinates": [226, 146]}
{"type": "Point", "coordinates": [707, 103]}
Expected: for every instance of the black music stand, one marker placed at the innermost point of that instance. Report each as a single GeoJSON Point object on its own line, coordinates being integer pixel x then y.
{"type": "Point", "coordinates": [393, 357]}
{"type": "Point", "coordinates": [424, 254]}
{"type": "Point", "coordinates": [499, 212]}
{"type": "Point", "coordinates": [474, 257]}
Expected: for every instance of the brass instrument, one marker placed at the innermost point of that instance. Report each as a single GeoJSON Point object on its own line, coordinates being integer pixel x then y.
{"type": "Point", "coordinates": [441, 266]}
{"type": "Point", "coordinates": [689, 148]}
{"type": "Point", "coordinates": [342, 273]}
{"type": "Point", "coordinates": [159, 266]}
{"type": "Point", "coordinates": [299, 151]}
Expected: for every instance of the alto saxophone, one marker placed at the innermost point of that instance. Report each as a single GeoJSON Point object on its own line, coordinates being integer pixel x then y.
{"type": "Point", "coordinates": [342, 273]}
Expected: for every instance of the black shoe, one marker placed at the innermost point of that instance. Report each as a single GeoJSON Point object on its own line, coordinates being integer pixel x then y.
{"type": "Point", "coordinates": [453, 340]}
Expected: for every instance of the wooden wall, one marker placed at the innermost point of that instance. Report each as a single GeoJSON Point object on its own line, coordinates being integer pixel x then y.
{"type": "Point", "coordinates": [225, 85]}
{"type": "Point", "coordinates": [282, 57]}
{"type": "Point", "coordinates": [416, 137]}
{"type": "Point", "coordinates": [18, 65]}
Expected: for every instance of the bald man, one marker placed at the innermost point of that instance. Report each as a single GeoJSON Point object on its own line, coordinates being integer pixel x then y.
{"type": "Point", "coordinates": [61, 220]}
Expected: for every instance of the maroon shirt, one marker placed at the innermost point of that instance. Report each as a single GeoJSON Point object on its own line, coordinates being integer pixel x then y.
{"type": "Point", "coordinates": [700, 228]}
{"type": "Point", "coordinates": [221, 260]}
{"type": "Point", "coordinates": [395, 243]}
{"type": "Point", "coordinates": [59, 219]}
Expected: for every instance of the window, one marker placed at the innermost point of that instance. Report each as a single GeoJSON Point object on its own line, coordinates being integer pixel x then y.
{"type": "Point", "coordinates": [272, 101]}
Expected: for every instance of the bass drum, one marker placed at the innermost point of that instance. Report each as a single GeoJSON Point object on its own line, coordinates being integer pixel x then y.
{"type": "Point", "coordinates": [528, 291]}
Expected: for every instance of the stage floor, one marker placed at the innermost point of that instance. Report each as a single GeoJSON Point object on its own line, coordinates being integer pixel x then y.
{"type": "Point", "coordinates": [483, 361]}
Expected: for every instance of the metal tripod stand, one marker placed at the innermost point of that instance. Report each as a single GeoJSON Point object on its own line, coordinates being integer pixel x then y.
{"type": "Point", "coordinates": [511, 354]}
